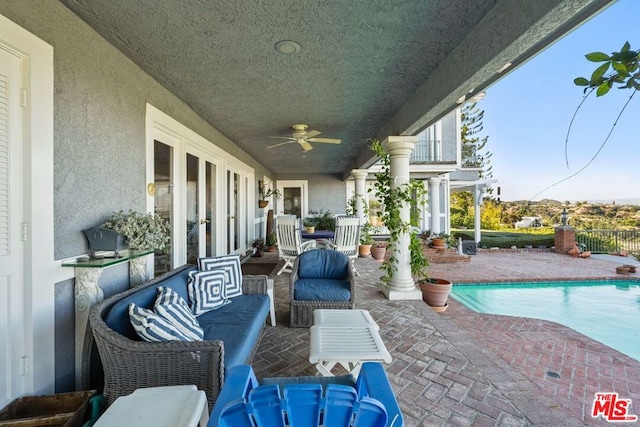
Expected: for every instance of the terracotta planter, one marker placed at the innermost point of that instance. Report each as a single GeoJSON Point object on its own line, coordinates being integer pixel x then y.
{"type": "Point", "coordinates": [364, 251]}
{"type": "Point", "coordinates": [439, 309]}
{"type": "Point", "coordinates": [437, 243]}
{"type": "Point", "coordinates": [622, 270]}
{"type": "Point", "coordinates": [435, 292]}
{"type": "Point", "coordinates": [631, 267]}
{"type": "Point", "coordinates": [262, 203]}
{"type": "Point", "coordinates": [377, 252]}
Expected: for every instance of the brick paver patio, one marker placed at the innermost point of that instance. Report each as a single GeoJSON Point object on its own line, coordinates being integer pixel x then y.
{"type": "Point", "coordinates": [465, 368]}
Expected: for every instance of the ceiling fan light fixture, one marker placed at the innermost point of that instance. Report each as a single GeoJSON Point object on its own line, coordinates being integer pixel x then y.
{"type": "Point", "coordinates": [288, 47]}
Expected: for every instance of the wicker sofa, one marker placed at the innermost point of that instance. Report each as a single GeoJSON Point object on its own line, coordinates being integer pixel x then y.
{"type": "Point", "coordinates": [232, 335]}
{"type": "Point", "coordinates": [321, 279]}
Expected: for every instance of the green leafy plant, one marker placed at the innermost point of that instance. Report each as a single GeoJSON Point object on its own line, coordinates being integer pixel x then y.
{"type": "Point", "coordinates": [266, 192]}
{"type": "Point", "coordinates": [365, 234]}
{"type": "Point", "coordinates": [367, 228]}
{"type": "Point", "coordinates": [391, 202]}
{"type": "Point", "coordinates": [272, 240]}
{"type": "Point", "coordinates": [618, 68]}
{"type": "Point", "coordinates": [141, 231]}
{"type": "Point", "coordinates": [321, 220]}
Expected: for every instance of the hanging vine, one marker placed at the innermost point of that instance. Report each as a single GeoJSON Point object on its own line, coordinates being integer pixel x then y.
{"type": "Point", "coordinates": [392, 200]}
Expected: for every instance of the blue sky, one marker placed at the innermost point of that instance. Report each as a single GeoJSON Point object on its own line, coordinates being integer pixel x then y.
{"type": "Point", "coordinates": [527, 115]}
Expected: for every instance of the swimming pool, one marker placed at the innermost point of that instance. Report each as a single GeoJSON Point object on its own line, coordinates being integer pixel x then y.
{"type": "Point", "coordinates": [607, 311]}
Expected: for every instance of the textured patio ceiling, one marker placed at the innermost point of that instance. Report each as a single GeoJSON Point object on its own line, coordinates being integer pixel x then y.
{"type": "Point", "coordinates": [366, 67]}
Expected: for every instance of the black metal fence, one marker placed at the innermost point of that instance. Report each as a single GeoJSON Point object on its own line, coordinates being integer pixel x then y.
{"type": "Point", "coordinates": [609, 241]}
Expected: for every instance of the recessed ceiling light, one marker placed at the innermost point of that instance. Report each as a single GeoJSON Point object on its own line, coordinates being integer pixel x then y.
{"type": "Point", "coordinates": [288, 47]}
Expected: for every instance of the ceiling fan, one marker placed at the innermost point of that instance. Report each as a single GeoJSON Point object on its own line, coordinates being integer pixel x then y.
{"type": "Point", "coordinates": [304, 138]}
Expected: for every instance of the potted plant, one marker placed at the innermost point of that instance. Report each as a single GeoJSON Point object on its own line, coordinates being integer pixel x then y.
{"type": "Point", "coordinates": [258, 246]}
{"type": "Point", "coordinates": [266, 192]}
{"type": "Point", "coordinates": [439, 240]}
{"type": "Point", "coordinates": [378, 250]}
{"type": "Point", "coordinates": [272, 242]}
{"type": "Point", "coordinates": [141, 231]}
{"type": "Point", "coordinates": [364, 250]}
{"type": "Point", "coordinates": [309, 225]}
{"type": "Point", "coordinates": [322, 220]}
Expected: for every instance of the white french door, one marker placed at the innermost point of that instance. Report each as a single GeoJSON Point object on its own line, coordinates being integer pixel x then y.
{"type": "Point", "coordinates": [201, 217]}
{"type": "Point", "coordinates": [200, 189]}
{"type": "Point", "coordinates": [295, 198]}
{"type": "Point", "coordinates": [12, 320]}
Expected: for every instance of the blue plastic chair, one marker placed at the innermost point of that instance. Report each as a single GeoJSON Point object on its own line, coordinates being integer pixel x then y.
{"type": "Point", "coordinates": [297, 402]}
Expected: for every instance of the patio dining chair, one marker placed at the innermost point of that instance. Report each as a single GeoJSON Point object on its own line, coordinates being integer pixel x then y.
{"type": "Point", "coordinates": [290, 243]}
{"type": "Point", "coordinates": [346, 239]}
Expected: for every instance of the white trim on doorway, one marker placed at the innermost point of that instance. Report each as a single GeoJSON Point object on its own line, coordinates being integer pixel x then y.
{"type": "Point", "coordinates": [40, 266]}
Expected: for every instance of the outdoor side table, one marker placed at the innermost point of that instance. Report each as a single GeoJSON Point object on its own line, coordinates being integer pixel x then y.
{"type": "Point", "coordinates": [172, 406]}
{"type": "Point", "coordinates": [348, 346]}
{"type": "Point", "coordinates": [341, 317]}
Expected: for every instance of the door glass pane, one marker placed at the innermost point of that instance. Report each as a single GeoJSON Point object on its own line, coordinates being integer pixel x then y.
{"type": "Point", "coordinates": [163, 204]}
{"type": "Point", "coordinates": [233, 181]}
{"type": "Point", "coordinates": [193, 222]}
{"type": "Point", "coordinates": [210, 197]}
{"type": "Point", "coordinates": [292, 199]}
{"type": "Point", "coordinates": [236, 209]}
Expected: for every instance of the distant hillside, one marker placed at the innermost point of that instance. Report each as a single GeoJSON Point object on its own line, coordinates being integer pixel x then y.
{"type": "Point", "coordinates": [591, 215]}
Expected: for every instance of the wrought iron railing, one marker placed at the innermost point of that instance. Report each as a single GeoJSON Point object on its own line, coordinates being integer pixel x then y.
{"type": "Point", "coordinates": [609, 241]}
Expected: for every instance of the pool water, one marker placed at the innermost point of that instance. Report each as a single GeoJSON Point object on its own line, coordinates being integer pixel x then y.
{"type": "Point", "coordinates": [607, 311]}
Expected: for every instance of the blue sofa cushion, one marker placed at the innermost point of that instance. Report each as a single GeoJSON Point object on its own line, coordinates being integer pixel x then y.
{"type": "Point", "coordinates": [323, 264]}
{"type": "Point", "coordinates": [238, 325]}
{"type": "Point", "coordinates": [118, 317]}
{"type": "Point", "coordinates": [321, 290]}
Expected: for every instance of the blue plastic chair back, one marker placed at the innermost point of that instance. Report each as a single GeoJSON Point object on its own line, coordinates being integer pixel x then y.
{"type": "Point", "coordinates": [303, 405]}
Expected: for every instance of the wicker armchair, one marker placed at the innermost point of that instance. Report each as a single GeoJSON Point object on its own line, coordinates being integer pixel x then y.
{"type": "Point", "coordinates": [130, 364]}
{"type": "Point", "coordinates": [322, 261]}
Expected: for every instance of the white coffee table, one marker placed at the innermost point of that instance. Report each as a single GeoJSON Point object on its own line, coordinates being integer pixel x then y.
{"type": "Point", "coordinates": [346, 338]}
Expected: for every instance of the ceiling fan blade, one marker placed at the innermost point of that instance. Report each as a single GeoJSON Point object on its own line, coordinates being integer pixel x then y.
{"type": "Point", "coordinates": [313, 133]}
{"type": "Point", "coordinates": [283, 137]}
{"type": "Point", "coordinates": [305, 145]}
{"type": "Point", "coordinates": [282, 143]}
{"type": "Point", "coordinates": [326, 140]}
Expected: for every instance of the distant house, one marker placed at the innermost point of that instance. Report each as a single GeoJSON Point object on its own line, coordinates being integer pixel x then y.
{"type": "Point", "coordinates": [529, 221]}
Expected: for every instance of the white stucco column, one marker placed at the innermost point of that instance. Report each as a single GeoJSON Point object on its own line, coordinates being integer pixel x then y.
{"type": "Point", "coordinates": [360, 177]}
{"type": "Point", "coordinates": [401, 285]}
{"type": "Point", "coordinates": [446, 190]}
{"type": "Point", "coordinates": [434, 204]}
{"type": "Point", "coordinates": [478, 194]}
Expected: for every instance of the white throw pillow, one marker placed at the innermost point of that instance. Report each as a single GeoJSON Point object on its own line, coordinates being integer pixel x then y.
{"type": "Point", "coordinates": [230, 264]}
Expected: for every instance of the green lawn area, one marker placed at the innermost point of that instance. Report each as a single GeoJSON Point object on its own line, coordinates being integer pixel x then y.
{"type": "Point", "coordinates": [506, 238]}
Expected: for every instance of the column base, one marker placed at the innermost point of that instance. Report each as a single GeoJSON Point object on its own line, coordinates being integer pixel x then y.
{"type": "Point", "coordinates": [393, 295]}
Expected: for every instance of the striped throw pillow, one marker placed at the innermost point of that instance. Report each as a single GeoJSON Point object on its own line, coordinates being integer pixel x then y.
{"type": "Point", "coordinates": [206, 291]}
{"type": "Point", "coordinates": [230, 264]}
{"type": "Point", "coordinates": [153, 328]}
{"type": "Point", "coordinates": [174, 308]}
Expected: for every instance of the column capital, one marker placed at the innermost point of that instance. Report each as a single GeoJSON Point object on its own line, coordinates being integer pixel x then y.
{"type": "Point", "coordinates": [359, 173]}
{"type": "Point", "coordinates": [399, 145]}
